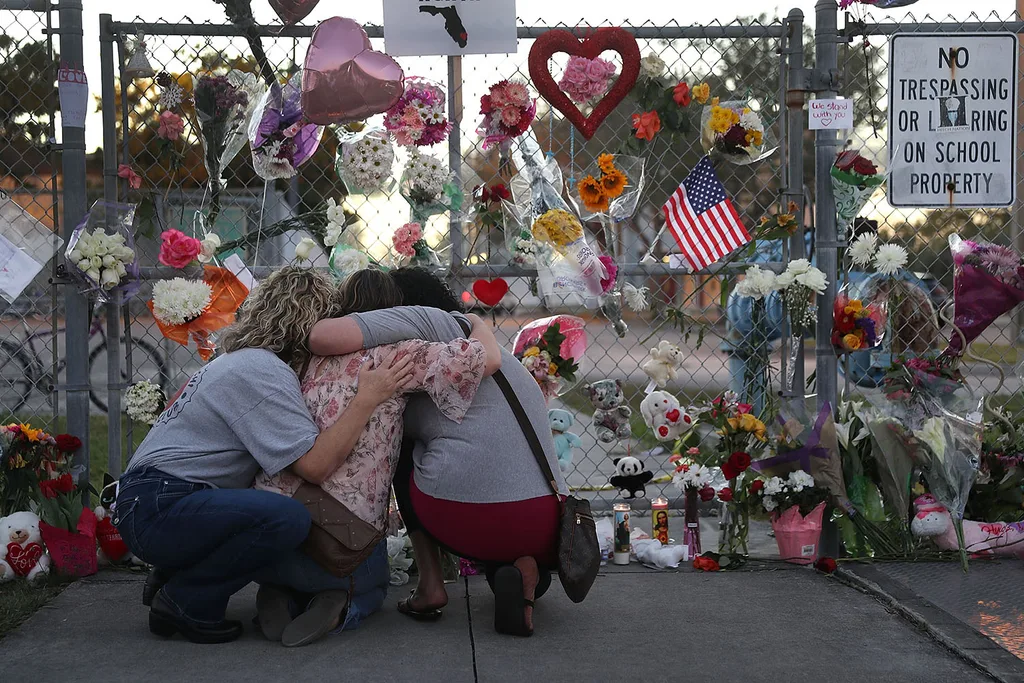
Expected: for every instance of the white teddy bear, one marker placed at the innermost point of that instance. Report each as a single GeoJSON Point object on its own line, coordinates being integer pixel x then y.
{"type": "Point", "coordinates": [663, 414]}
{"type": "Point", "coordinates": [663, 363]}
{"type": "Point", "coordinates": [22, 547]}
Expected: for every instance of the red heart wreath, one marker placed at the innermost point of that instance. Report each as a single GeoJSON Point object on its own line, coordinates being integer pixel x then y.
{"type": "Point", "coordinates": [607, 38]}
{"type": "Point", "coordinates": [490, 292]}
{"type": "Point", "coordinates": [23, 559]}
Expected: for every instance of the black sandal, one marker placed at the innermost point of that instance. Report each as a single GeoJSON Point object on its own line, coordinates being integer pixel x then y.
{"type": "Point", "coordinates": [405, 607]}
{"type": "Point", "coordinates": [509, 603]}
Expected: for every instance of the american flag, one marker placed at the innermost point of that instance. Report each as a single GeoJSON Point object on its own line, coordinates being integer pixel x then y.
{"type": "Point", "coordinates": [702, 219]}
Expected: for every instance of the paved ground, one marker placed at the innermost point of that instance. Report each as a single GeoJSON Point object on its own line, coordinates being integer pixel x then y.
{"type": "Point", "coordinates": [781, 623]}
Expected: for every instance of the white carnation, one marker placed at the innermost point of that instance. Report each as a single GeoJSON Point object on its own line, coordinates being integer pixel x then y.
{"type": "Point", "coordinates": [757, 283]}
{"type": "Point", "coordinates": [144, 401]}
{"type": "Point", "coordinates": [890, 259]}
{"type": "Point", "coordinates": [333, 233]}
{"type": "Point", "coordinates": [784, 280]}
{"type": "Point", "coordinates": [798, 266]}
{"type": "Point", "coordinates": [863, 249]}
{"type": "Point", "coordinates": [814, 280]}
{"type": "Point", "coordinates": [347, 261]}
{"type": "Point", "coordinates": [179, 300]}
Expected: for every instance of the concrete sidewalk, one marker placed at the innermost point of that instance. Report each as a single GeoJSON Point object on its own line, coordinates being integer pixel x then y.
{"type": "Point", "coordinates": [779, 623]}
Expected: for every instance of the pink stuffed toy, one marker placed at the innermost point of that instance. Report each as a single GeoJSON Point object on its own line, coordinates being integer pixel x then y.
{"type": "Point", "coordinates": [932, 520]}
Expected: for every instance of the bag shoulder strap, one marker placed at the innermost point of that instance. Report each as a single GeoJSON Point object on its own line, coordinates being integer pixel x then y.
{"type": "Point", "coordinates": [524, 421]}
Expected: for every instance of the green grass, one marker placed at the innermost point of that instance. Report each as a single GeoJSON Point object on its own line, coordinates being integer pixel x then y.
{"type": "Point", "coordinates": [19, 599]}
{"type": "Point", "coordinates": [998, 353]}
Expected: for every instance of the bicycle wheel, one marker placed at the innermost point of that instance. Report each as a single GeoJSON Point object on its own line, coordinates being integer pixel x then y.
{"type": "Point", "coordinates": [148, 363]}
{"type": "Point", "coordinates": [16, 379]}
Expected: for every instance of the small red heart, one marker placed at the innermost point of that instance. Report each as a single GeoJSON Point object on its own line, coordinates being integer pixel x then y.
{"type": "Point", "coordinates": [663, 430]}
{"type": "Point", "coordinates": [490, 292]}
{"type": "Point", "coordinates": [606, 38]}
{"type": "Point", "coordinates": [22, 560]}
{"type": "Point", "coordinates": [673, 415]}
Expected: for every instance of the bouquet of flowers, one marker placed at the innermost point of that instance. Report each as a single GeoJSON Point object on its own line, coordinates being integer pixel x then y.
{"type": "Point", "coordinates": [487, 202]}
{"type": "Point", "coordinates": [563, 231]}
{"type": "Point", "coordinates": [997, 494]}
{"type": "Point", "coordinates": [613, 189]}
{"type": "Point", "coordinates": [427, 186]}
{"type": "Point", "coordinates": [346, 259]}
{"type": "Point", "coordinates": [144, 401]}
{"type": "Point", "coordinates": [988, 282]}
{"type": "Point", "coordinates": [22, 453]}
{"type": "Point", "coordinates": [587, 80]}
{"type": "Point", "coordinates": [67, 526]}
{"type": "Point", "coordinates": [280, 138]}
{"type": "Point", "coordinates": [365, 164]}
{"type": "Point", "coordinates": [508, 111]}
{"type": "Point", "coordinates": [854, 180]}
{"type": "Point", "coordinates": [409, 243]}
{"type": "Point", "coordinates": [526, 251]}
{"type": "Point", "coordinates": [101, 250]}
{"type": "Point", "coordinates": [551, 349]}
{"type": "Point", "coordinates": [796, 506]}
{"type": "Point", "coordinates": [694, 481]}
{"type": "Point", "coordinates": [857, 326]}
{"type": "Point", "coordinates": [735, 131]}
{"type": "Point", "coordinates": [418, 118]}
{"type": "Point", "coordinates": [798, 284]}
{"type": "Point", "coordinates": [185, 309]}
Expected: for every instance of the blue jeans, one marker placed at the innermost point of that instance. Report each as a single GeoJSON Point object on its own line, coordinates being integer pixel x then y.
{"type": "Point", "coordinates": [296, 570]}
{"type": "Point", "coordinates": [215, 541]}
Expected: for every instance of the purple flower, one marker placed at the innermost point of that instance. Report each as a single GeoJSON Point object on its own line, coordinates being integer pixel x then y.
{"type": "Point", "coordinates": [868, 325]}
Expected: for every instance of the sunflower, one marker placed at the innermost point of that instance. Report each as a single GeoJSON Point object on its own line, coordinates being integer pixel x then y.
{"type": "Point", "coordinates": [614, 183]}
{"type": "Point", "coordinates": [600, 206]}
{"type": "Point", "coordinates": [606, 162]}
{"type": "Point", "coordinates": [592, 194]}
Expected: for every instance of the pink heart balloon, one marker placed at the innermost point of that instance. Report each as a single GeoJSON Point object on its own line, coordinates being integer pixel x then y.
{"type": "Point", "coordinates": [343, 79]}
{"type": "Point", "coordinates": [293, 11]}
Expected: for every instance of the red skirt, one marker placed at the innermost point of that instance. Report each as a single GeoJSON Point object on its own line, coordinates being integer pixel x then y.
{"type": "Point", "coordinates": [492, 532]}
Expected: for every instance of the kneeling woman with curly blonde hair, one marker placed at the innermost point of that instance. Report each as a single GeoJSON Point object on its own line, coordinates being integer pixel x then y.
{"type": "Point", "coordinates": [185, 504]}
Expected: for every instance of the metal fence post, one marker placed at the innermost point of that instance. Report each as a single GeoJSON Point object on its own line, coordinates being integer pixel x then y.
{"type": "Point", "coordinates": [826, 61]}
{"type": "Point", "coordinates": [110, 194]}
{"type": "Point", "coordinates": [76, 303]}
{"type": "Point", "coordinates": [794, 190]}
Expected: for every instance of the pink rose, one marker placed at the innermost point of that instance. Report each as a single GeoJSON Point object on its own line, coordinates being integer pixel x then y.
{"type": "Point", "coordinates": [171, 126]}
{"type": "Point", "coordinates": [177, 249]}
{"type": "Point", "coordinates": [597, 71]}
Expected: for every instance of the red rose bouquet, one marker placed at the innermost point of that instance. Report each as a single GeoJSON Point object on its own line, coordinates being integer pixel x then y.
{"type": "Point", "coordinates": [854, 180]}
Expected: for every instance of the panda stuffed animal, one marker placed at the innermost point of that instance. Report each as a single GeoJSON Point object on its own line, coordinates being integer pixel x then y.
{"type": "Point", "coordinates": [630, 477]}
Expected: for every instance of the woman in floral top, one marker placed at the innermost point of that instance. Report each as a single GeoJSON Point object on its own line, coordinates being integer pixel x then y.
{"type": "Point", "coordinates": [449, 373]}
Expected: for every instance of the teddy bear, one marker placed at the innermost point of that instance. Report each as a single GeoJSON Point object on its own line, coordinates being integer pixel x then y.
{"type": "Point", "coordinates": [560, 421]}
{"type": "Point", "coordinates": [932, 520]}
{"type": "Point", "coordinates": [630, 477]}
{"type": "Point", "coordinates": [112, 548]}
{"type": "Point", "coordinates": [22, 545]}
{"type": "Point", "coordinates": [663, 363]}
{"type": "Point", "coordinates": [663, 414]}
{"type": "Point", "coordinates": [611, 415]}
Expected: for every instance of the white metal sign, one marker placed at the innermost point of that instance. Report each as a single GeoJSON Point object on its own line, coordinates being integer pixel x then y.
{"type": "Point", "coordinates": [449, 27]}
{"type": "Point", "coordinates": [952, 119]}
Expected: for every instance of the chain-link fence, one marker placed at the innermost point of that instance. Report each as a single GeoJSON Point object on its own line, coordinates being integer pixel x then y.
{"type": "Point", "coordinates": [865, 61]}
{"type": "Point", "coordinates": [32, 343]}
{"type": "Point", "coordinates": [743, 60]}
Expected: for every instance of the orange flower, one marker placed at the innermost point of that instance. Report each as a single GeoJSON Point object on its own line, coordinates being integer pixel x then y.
{"type": "Point", "coordinates": [852, 342]}
{"type": "Point", "coordinates": [606, 162]}
{"type": "Point", "coordinates": [647, 125]}
{"type": "Point", "coordinates": [614, 183]}
{"type": "Point", "coordinates": [592, 194]}
{"type": "Point", "coordinates": [681, 94]}
{"type": "Point", "coordinates": [701, 93]}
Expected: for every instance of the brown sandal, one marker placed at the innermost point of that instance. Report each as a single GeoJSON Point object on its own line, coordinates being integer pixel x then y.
{"type": "Point", "coordinates": [406, 608]}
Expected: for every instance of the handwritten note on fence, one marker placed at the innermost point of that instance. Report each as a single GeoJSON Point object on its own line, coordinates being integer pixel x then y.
{"type": "Point", "coordinates": [831, 114]}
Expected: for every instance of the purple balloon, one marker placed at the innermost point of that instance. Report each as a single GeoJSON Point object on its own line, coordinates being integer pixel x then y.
{"type": "Point", "coordinates": [343, 79]}
{"type": "Point", "coordinates": [293, 11]}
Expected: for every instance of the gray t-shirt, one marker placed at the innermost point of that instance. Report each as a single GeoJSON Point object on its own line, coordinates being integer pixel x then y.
{"type": "Point", "coordinates": [486, 458]}
{"type": "Point", "coordinates": [242, 412]}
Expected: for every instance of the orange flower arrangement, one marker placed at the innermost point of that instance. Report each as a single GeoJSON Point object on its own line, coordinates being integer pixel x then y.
{"type": "Point", "coordinates": [596, 193]}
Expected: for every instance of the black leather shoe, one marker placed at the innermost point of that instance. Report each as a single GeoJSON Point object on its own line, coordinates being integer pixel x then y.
{"type": "Point", "coordinates": [165, 621]}
{"type": "Point", "coordinates": [154, 582]}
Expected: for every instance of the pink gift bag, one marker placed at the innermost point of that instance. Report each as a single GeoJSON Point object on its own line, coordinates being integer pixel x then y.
{"type": "Point", "coordinates": [798, 536]}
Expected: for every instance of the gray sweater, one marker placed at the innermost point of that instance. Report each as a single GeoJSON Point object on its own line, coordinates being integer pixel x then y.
{"type": "Point", "coordinates": [486, 458]}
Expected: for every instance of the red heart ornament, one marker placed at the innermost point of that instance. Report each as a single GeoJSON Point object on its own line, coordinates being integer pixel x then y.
{"type": "Point", "coordinates": [343, 78]}
{"type": "Point", "coordinates": [607, 38]}
{"type": "Point", "coordinates": [490, 292]}
{"type": "Point", "coordinates": [22, 560]}
{"type": "Point", "coordinates": [673, 415]}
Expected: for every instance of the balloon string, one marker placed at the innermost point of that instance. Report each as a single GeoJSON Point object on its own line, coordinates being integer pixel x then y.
{"type": "Point", "coordinates": [259, 227]}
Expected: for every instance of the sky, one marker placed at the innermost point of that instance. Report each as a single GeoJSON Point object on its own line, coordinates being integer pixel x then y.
{"type": "Point", "coordinates": [532, 12]}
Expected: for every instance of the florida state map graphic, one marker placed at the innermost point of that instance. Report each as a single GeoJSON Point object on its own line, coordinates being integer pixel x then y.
{"type": "Point", "coordinates": [452, 22]}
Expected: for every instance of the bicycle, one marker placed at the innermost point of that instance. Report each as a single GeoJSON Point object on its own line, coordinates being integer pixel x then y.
{"type": "Point", "coordinates": [23, 369]}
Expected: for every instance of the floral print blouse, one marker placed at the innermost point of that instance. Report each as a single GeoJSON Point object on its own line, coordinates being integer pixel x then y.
{"type": "Point", "coordinates": [448, 373]}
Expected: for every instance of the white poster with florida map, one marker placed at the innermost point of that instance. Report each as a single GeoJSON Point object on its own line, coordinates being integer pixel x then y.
{"type": "Point", "coordinates": [449, 27]}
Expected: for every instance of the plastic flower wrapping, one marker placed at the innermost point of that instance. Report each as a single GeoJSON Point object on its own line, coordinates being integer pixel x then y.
{"type": "Point", "coordinates": [194, 309]}
{"type": "Point", "coordinates": [224, 105]}
{"type": "Point", "coordinates": [736, 132]}
{"type": "Point", "coordinates": [280, 139]}
{"type": "Point", "coordinates": [988, 282]}
{"type": "Point", "coordinates": [573, 267]}
{"type": "Point", "coordinates": [101, 251]}
{"type": "Point", "coordinates": [552, 350]}
{"type": "Point", "coordinates": [857, 324]}
{"type": "Point", "coordinates": [587, 80]}
{"type": "Point", "coordinates": [854, 180]}
{"type": "Point", "coordinates": [418, 118]}
{"type": "Point", "coordinates": [428, 186]}
{"type": "Point", "coordinates": [508, 111]}
{"type": "Point", "coordinates": [612, 189]}
{"type": "Point", "coordinates": [412, 248]}
{"type": "Point", "coordinates": [365, 162]}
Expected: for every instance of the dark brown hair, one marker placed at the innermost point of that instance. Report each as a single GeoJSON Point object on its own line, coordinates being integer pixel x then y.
{"type": "Point", "coordinates": [368, 290]}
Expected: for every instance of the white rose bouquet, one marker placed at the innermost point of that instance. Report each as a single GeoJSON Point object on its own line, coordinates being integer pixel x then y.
{"type": "Point", "coordinates": [102, 258]}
